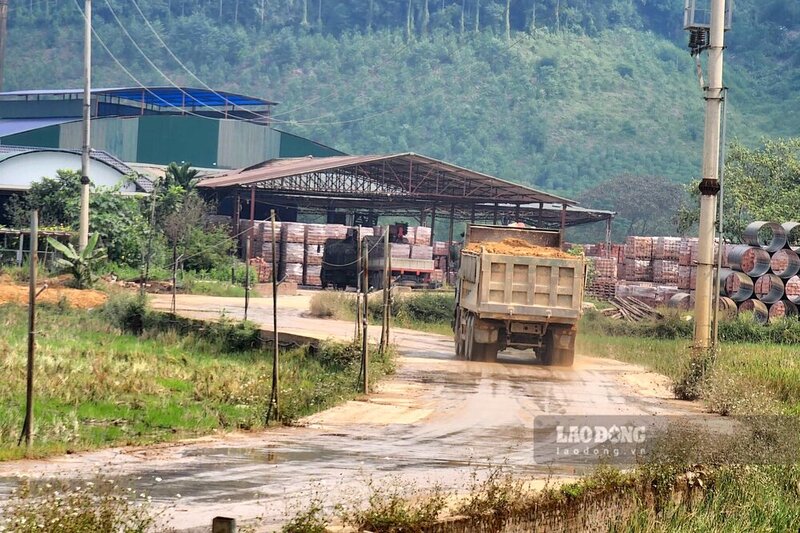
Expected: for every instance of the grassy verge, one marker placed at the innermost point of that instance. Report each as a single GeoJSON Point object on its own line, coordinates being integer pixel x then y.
{"type": "Point", "coordinates": [431, 312]}
{"type": "Point", "coordinates": [97, 386]}
{"type": "Point", "coordinates": [744, 379]}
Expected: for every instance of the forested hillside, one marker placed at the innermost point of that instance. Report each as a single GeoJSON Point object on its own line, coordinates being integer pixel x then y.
{"type": "Point", "coordinates": [561, 94]}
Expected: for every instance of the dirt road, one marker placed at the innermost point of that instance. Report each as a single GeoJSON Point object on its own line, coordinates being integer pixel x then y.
{"type": "Point", "coordinates": [432, 422]}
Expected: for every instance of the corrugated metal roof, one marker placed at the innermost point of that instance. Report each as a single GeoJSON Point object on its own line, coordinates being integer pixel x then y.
{"type": "Point", "coordinates": [456, 176]}
{"type": "Point", "coordinates": [21, 125]}
{"type": "Point", "coordinates": [158, 96]}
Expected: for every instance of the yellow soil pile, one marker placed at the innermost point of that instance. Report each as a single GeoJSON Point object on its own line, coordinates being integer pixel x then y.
{"type": "Point", "coordinates": [87, 299]}
{"type": "Point", "coordinates": [513, 246]}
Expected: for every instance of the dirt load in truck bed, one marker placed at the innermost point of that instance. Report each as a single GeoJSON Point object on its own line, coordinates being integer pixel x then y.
{"type": "Point", "coordinates": [513, 246]}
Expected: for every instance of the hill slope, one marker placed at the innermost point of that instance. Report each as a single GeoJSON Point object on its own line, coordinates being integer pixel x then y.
{"type": "Point", "coordinates": [568, 98]}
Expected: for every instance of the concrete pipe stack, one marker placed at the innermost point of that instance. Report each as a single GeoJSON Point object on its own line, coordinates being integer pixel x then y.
{"type": "Point", "coordinates": [763, 276]}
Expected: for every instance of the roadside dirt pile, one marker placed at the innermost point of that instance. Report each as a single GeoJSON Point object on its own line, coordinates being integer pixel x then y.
{"type": "Point", "coordinates": [513, 246]}
{"type": "Point", "coordinates": [86, 299]}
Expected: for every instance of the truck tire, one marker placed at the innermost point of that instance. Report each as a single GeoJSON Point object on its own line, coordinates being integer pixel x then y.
{"type": "Point", "coordinates": [553, 354]}
{"type": "Point", "coordinates": [458, 338]}
{"type": "Point", "coordinates": [474, 351]}
{"type": "Point", "coordinates": [490, 351]}
{"type": "Point", "coordinates": [546, 353]}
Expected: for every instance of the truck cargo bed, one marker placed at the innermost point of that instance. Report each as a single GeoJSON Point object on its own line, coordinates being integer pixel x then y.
{"type": "Point", "coordinates": [522, 288]}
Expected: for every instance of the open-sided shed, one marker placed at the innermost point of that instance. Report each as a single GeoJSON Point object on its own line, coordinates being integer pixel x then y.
{"type": "Point", "coordinates": [406, 184]}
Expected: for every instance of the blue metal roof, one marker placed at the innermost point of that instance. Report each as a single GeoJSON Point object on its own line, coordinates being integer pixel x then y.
{"type": "Point", "coordinates": [156, 96]}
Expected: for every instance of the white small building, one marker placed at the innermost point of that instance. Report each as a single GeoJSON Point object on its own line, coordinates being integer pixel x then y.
{"type": "Point", "coordinates": [21, 166]}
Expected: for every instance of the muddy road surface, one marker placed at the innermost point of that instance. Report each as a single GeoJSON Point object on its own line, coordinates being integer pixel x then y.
{"type": "Point", "coordinates": [436, 421]}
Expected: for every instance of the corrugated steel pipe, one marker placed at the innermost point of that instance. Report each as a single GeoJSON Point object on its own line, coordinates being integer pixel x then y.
{"type": "Point", "coordinates": [769, 288]}
{"type": "Point", "coordinates": [792, 230]}
{"type": "Point", "coordinates": [758, 308]}
{"type": "Point", "coordinates": [727, 307]}
{"type": "Point", "coordinates": [753, 232]}
{"type": "Point", "coordinates": [781, 309]}
{"type": "Point", "coordinates": [752, 260]}
{"type": "Point", "coordinates": [785, 263]}
{"type": "Point", "coordinates": [680, 300]}
{"type": "Point", "coordinates": [793, 289]}
{"type": "Point", "coordinates": [737, 286]}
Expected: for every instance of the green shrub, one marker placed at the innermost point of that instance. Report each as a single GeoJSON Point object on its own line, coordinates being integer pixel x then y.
{"type": "Point", "coordinates": [431, 307]}
{"type": "Point", "coordinates": [233, 335]}
{"type": "Point", "coordinates": [394, 509]}
{"type": "Point", "coordinates": [337, 354]}
{"type": "Point", "coordinates": [127, 311]}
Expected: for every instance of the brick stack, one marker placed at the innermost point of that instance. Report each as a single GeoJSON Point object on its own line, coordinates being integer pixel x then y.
{"type": "Point", "coordinates": [300, 248]}
{"type": "Point", "coordinates": [604, 281]}
{"type": "Point", "coordinates": [638, 259]}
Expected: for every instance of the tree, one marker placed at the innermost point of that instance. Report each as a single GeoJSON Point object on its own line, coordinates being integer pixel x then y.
{"type": "Point", "coordinates": [116, 218]}
{"type": "Point", "coordinates": [82, 265]}
{"type": "Point", "coordinates": [761, 183]}
{"type": "Point", "coordinates": [647, 204]}
{"type": "Point", "coordinates": [183, 175]}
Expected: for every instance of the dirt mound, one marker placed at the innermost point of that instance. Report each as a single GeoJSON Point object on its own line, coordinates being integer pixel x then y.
{"type": "Point", "coordinates": [514, 246]}
{"type": "Point", "coordinates": [87, 299]}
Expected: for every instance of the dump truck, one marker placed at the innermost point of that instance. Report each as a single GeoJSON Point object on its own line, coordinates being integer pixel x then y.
{"type": "Point", "coordinates": [517, 289]}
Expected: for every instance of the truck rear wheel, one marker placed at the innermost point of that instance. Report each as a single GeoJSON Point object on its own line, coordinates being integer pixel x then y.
{"type": "Point", "coordinates": [554, 351]}
{"type": "Point", "coordinates": [458, 337]}
{"type": "Point", "coordinates": [545, 353]}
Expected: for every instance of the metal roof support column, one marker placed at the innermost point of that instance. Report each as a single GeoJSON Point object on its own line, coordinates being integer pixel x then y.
{"type": "Point", "coordinates": [433, 224]}
{"type": "Point", "coordinates": [494, 215]}
{"type": "Point", "coordinates": [450, 239]}
{"type": "Point", "coordinates": [563, 222]}
{"type": "Point", "coordinates": [472, 215]}
{"type": "Point", "coordinates": [516, 214]}
{"type": "Point", "coordinates": [251, 231]}
{"type": "Point", "coordinates": [608, 237]}
{"type": "Point", "coordinates": [237, 207]}
{"type": "Point", "coordinates": [541, 215]}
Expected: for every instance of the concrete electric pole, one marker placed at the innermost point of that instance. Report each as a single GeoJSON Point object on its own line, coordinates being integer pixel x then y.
{"type": "Point", "coordinates": [3, 38]}
{"type": "Point", "coordinates": [83, 234]}
{"type": "Point", "coordinates": [709, 186]}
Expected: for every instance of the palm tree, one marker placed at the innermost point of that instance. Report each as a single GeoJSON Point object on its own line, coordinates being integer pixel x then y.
{"type": "Point", "coordinates": [182, 175]}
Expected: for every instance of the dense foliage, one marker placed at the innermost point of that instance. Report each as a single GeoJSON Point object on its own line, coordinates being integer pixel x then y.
{"type": "Point", "coordinates": [761, 183]}
{"type": "Point", "coordinates": [561, 94]}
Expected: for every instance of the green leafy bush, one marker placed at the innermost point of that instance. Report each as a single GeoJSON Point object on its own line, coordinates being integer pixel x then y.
{"type": "Point", "coordinates": [127, 311]}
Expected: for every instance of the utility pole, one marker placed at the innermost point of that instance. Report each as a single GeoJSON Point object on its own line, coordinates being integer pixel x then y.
{"type": "Point", "coordinates": [274, 405]}
{"type": "Point", "coordinates": [709, 186]}
{"type": "Point", "coordinates": [83, 236]}
{"type": "Point", "coordinates": [365, 317]}
{"type": "Point", "coordinates": [3, 37]}
{"type": "Point", "coordinates": [27, 428]}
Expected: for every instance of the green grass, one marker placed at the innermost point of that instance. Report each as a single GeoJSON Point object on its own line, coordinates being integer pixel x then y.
{"type": "Point", "coordinates": [745, 378]}
{"type": "Point", "coordinates": [97, 386]}
{"type": "Point", "coordinates": [738, 499]}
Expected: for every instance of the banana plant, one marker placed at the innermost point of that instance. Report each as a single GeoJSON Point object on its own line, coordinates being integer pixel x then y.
{"type": "Point", "coordinates": [82, 265]}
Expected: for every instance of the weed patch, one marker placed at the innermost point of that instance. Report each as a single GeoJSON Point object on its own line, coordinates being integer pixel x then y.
{"type": "Point", "coordinates": [79, 507]}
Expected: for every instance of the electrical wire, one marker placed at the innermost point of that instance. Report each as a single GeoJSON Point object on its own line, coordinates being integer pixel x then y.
{"type": "Point", "coordinates": [306, 104]}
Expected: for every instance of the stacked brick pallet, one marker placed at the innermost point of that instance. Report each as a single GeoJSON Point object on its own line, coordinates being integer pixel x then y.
{"type": "Point", "coordinates": [656, 265]}
{"type": "Point", "coordinates": [301, 246]}
{"type": "Point", "coordinates": [763, 277]}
